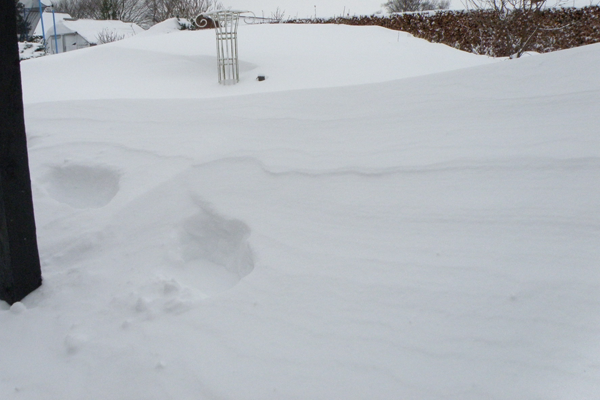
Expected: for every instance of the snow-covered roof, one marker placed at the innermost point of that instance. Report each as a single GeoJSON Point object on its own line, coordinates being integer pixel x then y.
{"type": "Point", "coordinates": [89, 28]}
{"type": "Point", "coordinates": [49, 22]}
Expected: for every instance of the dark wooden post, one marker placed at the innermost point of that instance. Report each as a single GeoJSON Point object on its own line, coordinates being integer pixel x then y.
{"type": "Point", "coordinates": [20, 271]}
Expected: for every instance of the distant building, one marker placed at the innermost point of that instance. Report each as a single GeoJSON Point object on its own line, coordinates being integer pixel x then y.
{"type": "Point", "coordinates": [72, 34]}
{"type": "Point", "coordinates": [49, 19]}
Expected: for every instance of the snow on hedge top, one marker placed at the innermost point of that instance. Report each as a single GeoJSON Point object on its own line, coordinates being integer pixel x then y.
{"type": "Point", "coordinates": [183, 63]}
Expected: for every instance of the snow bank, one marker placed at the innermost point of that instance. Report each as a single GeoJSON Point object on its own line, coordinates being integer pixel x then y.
{"type": "Point", "coordinates": [431, 237]}
{"type": "Point", "coordinates": [291, 56]}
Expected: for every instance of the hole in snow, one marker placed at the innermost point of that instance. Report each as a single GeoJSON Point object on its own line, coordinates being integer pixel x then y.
{"type": "Point", "coordinates": [83, 186]}
{"type": "Point", "coordinates": [215, 250]}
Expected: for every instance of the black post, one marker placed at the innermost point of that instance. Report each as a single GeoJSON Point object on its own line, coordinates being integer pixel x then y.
{"type": "Point", "coordinates": [20, 271]}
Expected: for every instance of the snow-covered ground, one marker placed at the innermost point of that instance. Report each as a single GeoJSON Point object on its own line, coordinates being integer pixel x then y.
{"type": "Point", "coordinates": [382, 218]}
{"type": "Point", "coordinates": [166, 63]}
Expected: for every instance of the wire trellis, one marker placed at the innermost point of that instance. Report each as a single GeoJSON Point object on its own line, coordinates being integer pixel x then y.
{"type": "Point", "coordinates": [226, 24]}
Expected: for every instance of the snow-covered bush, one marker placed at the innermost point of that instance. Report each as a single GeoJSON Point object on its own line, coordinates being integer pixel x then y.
{"type": "Point", "coordinates": [185, 24]}
{"type": "Point", "coordinates": [29, 50]}
{"type": "Point", "coordinates": [504, 5]}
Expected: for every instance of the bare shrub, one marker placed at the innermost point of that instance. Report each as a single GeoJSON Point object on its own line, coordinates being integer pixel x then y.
{"type": "Point", "coordinates": [142, 12]}
{"type": "Point", "coordinates": [160, 10]}
{"type": "Point", "coordinates": [504, 5]}
{"type": "Point", "coordinates": [122, 10]}
{"type": "Point", "coordinates": [277, 16]}
{"type": "Point", "coordinates": [512, 21]}
{"type": "Point", "coordinates": [109, 36]}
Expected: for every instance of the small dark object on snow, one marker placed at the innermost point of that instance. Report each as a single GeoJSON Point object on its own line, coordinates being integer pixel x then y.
{"type": "Point", "coordinates": [260, 78]}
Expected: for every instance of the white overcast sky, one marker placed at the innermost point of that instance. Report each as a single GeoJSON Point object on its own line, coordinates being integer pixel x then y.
{"type": "Point", "coordinates": [306, 8]}
{"type": "Point", "coordinates": [329, 8]}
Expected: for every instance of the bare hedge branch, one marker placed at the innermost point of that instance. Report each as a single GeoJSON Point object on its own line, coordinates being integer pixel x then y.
{"type": "Point", "coordinates": [395, 6]}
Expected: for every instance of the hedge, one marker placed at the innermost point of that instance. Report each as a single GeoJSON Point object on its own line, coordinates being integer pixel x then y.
{"type": "Point", "coordinates": [493, 33]}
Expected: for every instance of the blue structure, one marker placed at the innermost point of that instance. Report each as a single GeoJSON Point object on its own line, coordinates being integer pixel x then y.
{"type": "Point", "coordinates": [32, 11]}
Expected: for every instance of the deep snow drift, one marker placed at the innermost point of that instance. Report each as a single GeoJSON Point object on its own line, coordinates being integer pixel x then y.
{"type": "Point", "coordinates": [182, 65]}
{"type": "Point", "coordinates": [378, 234]}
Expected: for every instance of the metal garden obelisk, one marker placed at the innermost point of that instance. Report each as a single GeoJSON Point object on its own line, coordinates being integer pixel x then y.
{"type": "Point", "coordinates": [226, 25]}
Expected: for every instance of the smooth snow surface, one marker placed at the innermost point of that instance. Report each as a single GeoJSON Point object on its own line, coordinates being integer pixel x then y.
{"type": "Point", "coordinates": [182, 64]}
{"type": "Point", "coordinates": [354, 227]}
{"type": "Point", "coordinates": [91, 29]}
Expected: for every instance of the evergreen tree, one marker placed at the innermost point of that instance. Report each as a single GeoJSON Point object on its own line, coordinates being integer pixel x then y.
{"type": "Point", "coordinates": [109, 9]}
{"type": "Point", "coordinates": [22, 24]}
